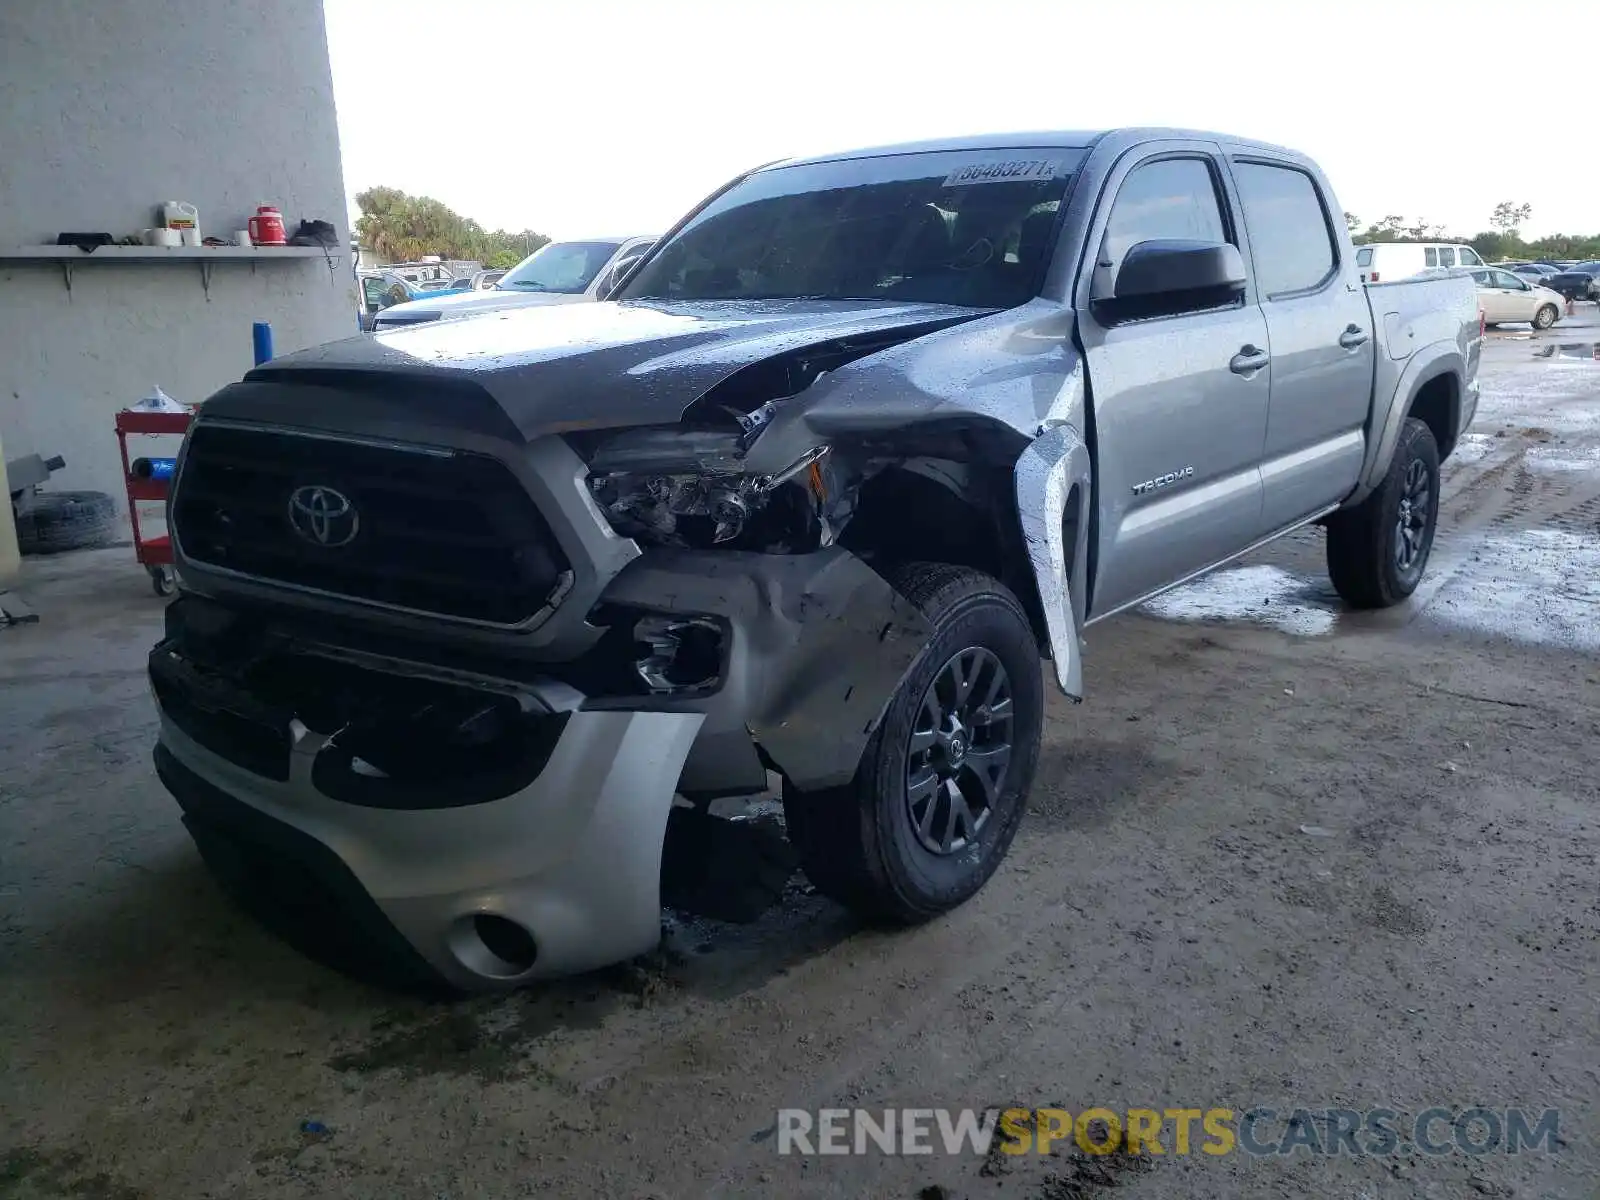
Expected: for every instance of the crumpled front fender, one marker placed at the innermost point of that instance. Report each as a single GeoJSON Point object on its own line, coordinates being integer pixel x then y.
{"type": "Point", "coordinates": [1053, 480]}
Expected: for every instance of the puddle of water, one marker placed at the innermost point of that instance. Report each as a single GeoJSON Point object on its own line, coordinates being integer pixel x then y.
{"type": "Point", "coordinates": [1262, 595]}
{"type": "Point", "coordinates": [1537, 585]}
{"type": "Point", "coordinates": [1561, 458]}
{"type": "Point", "coordinates": [1572, 351]}
{"type": "Point", "coordinates": [1470, 448]}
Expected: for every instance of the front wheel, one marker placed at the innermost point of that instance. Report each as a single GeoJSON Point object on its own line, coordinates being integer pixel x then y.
{"type": "Point", "coordinates": [944, 779]}
{"type": "Point", "coordinates": [1545, 317]}
{"type": "Point", "coordinates": [1377, 550]}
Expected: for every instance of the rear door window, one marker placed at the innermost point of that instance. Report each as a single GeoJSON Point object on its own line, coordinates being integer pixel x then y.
{"type": "Point", "coordinates": [1430, 257]}
{"type": "Point", "coordinates": [1290, 235]}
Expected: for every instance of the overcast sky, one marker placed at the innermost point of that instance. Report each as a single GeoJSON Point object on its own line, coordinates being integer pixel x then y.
{"type": "Point", "coordinates": [582, 117]}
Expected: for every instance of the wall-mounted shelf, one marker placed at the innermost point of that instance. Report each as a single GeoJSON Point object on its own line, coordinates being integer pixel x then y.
{"type": "Point", "coordinates": [69, 257]}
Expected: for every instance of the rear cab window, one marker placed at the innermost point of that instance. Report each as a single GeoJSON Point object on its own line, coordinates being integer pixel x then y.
{"type": "Point", "coordinates": [1291, 236]}
{"type": "Point", "coordinates": [1364, 257]}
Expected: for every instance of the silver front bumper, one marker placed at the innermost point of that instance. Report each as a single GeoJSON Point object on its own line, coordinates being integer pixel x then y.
{"type": "Point", "coordinates": [574, 858]}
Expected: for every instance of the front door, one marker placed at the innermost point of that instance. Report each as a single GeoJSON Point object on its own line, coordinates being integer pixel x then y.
{"type": "Point", "coordinates": [1320, 327]}
{"type": "Point", "coordinates": [1180, 402]}
{"type": "Point", "coordinates": [1519, 303]}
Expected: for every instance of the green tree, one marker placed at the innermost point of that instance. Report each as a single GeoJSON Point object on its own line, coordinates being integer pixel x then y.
{"type": "Point", "coordinates": [1490, 245]}
{"type": "Point", "coordinates": [1352, 222]}
{"type": "Point", "coordinates": [404, 228]}
{"type": "Point", "coordinates": [1509, 217]}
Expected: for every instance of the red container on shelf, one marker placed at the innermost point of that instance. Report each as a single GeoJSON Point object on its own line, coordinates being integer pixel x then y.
{"type": "Point", "coordinates": [266, 227]}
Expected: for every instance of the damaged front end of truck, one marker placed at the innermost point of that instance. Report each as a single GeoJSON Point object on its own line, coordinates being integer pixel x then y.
{"type": "Point", "coordinates": [478, 621]}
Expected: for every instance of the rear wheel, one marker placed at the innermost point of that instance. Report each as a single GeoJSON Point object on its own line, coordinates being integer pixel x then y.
{"type": "Point", "coordinates": [1545, 317]}
{"type": "Point", "coordinates": [943, 782]}
{"type": "Point", "coordinates": [1377, 551]}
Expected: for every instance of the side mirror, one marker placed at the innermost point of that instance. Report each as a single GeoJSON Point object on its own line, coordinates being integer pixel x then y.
{"type": "Point", "coordinates": [1167, 276]}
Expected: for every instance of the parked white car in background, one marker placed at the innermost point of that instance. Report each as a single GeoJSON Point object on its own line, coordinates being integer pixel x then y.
{"type": "Point", "coordinates": [1385, 261]}
{"type": "Point", "coordinates": [558, 273]}
{"type": "Point", "coordinates": [1504, 296]}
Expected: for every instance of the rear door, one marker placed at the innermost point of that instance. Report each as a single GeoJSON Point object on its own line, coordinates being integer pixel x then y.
{"type": "Point", "coordinates": [1180, 401]}
{"type": "Point", "coordinates": [1319, 326]}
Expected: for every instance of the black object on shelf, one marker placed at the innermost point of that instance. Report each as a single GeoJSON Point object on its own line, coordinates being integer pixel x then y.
{"type": "Point", "coordinates": [87, 242]}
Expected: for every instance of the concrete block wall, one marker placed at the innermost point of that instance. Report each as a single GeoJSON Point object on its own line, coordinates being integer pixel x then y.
{"type": "Point", "coordinates": [107, 109]}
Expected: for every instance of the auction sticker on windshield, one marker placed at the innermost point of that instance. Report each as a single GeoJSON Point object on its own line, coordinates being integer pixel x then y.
{"type": "Point", "coordinates": [1017, 170]}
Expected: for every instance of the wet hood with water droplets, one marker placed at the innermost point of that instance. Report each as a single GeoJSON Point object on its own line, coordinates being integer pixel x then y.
{"type": "Point", "coordinates": [606, 365]}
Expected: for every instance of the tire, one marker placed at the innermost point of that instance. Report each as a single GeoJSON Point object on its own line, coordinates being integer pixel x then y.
{"type": "Point", "coordinates": [1371, 564]}
{"type": "Point", "coordinates": [860, 844]}
{"type": "Point", "coordinates": [56, 521]}
{"type": "Point", "coordinates": [1546, 317]}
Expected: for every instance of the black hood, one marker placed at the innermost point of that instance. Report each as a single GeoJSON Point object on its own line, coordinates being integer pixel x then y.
{"type": "Point", "coordinates": [596, 366]}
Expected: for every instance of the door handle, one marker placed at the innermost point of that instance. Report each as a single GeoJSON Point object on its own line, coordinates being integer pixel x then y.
{"type": "Point", "coordinates": [1248, 360]}
{"type": "Point", "coordinates": [1352, 337]}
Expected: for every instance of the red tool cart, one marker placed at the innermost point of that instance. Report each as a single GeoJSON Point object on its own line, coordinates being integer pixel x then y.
{"type": "Point", "coordinates": [153, 553]}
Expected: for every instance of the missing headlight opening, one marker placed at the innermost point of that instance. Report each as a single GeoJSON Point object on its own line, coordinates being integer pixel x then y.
{"type": "Point", "coordinates": [688, 488]}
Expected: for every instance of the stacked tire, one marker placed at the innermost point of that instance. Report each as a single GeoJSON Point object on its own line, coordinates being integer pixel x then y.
{"type": "Point", "coordinates": [51, 522]}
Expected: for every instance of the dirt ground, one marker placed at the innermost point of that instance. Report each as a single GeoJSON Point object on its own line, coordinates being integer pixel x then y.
{"type": "Point", "coordinates": [1166, 932]}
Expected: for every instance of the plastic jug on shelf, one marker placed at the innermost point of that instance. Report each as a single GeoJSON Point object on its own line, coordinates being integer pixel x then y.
{"type": "Point", "coordinates": [266, 227]}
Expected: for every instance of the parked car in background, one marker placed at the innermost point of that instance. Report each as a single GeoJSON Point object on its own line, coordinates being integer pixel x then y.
{"type": "Point", "coordinates": [484, 280]}
{"type": "Point", "coordinates": [1581, 281]}
{"type": "Point", "coordinates": [1534, 271]}
{"type": "Point", "coordinates": [1383, 261]}
{"type": "Point", "coordinates": [381, 289]}
{"type": "Point", "coordinates": [1506, 296]}
{"type": "Point", "coordinates": [559, 273]}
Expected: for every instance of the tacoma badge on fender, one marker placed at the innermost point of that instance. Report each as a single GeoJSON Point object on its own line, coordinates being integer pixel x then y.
{"type": "Point", "coordinates": [1161, 481]}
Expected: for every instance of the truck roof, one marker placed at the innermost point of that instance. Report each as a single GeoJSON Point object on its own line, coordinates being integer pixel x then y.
{"type": "Point", "coordinates": [1064, 139]}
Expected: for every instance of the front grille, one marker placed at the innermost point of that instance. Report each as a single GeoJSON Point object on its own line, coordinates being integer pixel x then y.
{"type": "Point", "coordinates": [440, 532]}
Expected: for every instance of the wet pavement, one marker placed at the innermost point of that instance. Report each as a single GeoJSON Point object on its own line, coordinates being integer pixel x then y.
{"type": "Point", "coordinates": [1517, 555]}
{"type": "Point", "coordinates": [1284, 854]}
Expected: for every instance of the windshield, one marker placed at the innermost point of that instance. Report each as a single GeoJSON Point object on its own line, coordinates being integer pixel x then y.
{"type": "Point", "coordinates": [566, 267]}
{"type": "Point", "coordinates": [970, 227]}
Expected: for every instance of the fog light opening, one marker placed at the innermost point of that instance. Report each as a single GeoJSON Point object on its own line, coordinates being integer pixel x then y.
{"type": "Point", "coordinates": [678, 654]}
{"type": "Point", "coordinates": [493, 946]}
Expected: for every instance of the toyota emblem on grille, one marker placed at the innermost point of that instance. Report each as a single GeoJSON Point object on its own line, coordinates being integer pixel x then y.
{"type": "Point", "coordinates": [323, 516]}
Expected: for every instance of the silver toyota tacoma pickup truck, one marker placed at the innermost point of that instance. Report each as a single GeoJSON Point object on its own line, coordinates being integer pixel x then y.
{"type": "Point", "coordinates": [487, 625]}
